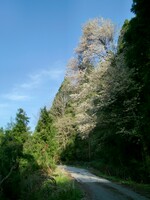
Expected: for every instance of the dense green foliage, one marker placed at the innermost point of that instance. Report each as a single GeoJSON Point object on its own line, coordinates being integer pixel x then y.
{"type": "Point", "coordinates": [12, 156]}
{"type": "Point", "coordinates": [137, 39]}
{"type": "Point", "coordinates": [27, 162]}
{"type": "Point", "coordinates": [106, 101]}
{"type": "Point", "coordinates": [44, 141]}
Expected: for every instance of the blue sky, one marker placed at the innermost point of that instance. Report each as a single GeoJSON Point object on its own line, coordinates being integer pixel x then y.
{"type": "Point", "coordinates": [37, 38]}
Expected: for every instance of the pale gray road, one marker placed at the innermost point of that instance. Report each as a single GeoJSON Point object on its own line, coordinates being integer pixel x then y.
{"type": "Point", "coordinates": [99, 188]}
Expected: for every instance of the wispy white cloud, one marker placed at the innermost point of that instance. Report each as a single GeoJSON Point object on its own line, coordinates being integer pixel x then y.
{"type": "Point", "coordinates": [35, 91]}
{"type": "Point", "coordinates": [15, 97]}
{"type": "Point", "coordinates": [53, 74]}
{"type": "Point", "coordinates": [36, 80]}
{"type": "Point", "coordinates": [42, 76]}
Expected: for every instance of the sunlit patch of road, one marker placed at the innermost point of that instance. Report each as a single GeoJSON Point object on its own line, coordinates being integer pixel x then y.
{"type": "Point", "coordinates": [100, 188]}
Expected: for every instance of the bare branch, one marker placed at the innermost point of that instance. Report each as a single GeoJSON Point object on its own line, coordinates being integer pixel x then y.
{"type": "Point", "coordinates": [8, 175]}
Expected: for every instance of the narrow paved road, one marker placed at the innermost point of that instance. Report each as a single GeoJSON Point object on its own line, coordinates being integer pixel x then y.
{"type": "Point", "coordinates": [99, 188]}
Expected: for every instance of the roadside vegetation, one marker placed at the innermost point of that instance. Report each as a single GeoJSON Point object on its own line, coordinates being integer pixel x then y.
{"type": "Point", "coordinates": [141, 188]}
{"type": "Point", "coordinates": [28, 163]}
{"type": "Point", "coordinates": [56, 186]}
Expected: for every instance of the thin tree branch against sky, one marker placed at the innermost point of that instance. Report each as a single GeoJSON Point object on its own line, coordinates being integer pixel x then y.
{"type": "Point", "coordinates": [37, 38]}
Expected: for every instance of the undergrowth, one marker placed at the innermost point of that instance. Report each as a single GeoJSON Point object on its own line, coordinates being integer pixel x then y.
{"type": "Point", "coordinates": [58, 186]}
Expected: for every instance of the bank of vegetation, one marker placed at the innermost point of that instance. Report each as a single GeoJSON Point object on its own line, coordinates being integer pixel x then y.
{"type": "Point", "coordinates": [28, 162]}
{"type": "Point", "coordinates": [102, 109]}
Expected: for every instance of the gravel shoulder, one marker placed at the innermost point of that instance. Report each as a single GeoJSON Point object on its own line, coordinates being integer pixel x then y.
{"type": "Point", "coordinates": [98, 188]}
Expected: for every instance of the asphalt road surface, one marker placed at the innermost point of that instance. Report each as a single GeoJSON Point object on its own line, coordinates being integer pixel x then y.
{"type": "Point", "coordinates": [100, 189]}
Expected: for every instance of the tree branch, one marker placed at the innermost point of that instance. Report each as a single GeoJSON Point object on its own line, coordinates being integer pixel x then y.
{"type": "Point", "coordinates": [6, 177]}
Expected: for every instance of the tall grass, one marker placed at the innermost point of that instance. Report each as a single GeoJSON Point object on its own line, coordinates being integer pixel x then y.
{"type": "Point", "coordinates": [57, 187]}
